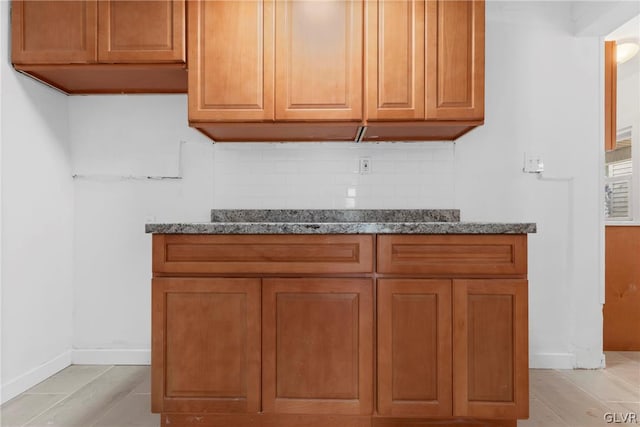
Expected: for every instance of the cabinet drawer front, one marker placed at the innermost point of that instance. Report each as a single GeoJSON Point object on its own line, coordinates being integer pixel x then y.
{"type": "Point", "coordinates": [456, 255]}
{"type": "Point", "coordinates": [262, 254]}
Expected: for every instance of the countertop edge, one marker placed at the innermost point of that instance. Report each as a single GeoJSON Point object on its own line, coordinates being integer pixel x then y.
{"type": "Point", "coordinates": [341, 228]}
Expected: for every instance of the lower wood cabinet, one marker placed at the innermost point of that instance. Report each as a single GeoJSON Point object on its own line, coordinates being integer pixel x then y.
{"type": "Point", "coordinates": [388, 342]}
{"type": "Point", "coordinates": [317, 340]}
{"type": "Point", "coordinates": [477, 327]}
{"type": "Point", "coordinates": [206, 351]}
{"type": "Point", "coordinates": [316, 353]}
{"type": "Point", "coordinates": [490, 348]}
{"type": "Point", "coordinates": [414, 347]}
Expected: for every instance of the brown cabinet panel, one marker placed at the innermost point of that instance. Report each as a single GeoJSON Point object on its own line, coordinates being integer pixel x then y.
{"type": "Point", "coordinates": [112, 78]}
{"type": "Point", "coordinates": [263, 254]}
{"type": "Point", "coordinates": [395, 60]}
{"type": "Point", "coordinates": [610, 95]}
{"type": "Point", "coordinates": [231, 60]}
{"type": "Point", "coordinates": [317, 346]}
{"type": "Point", "coordinates": [414, 348]}
{"type": "Point", "coordinates": [418, 131]}
{"type": "Point", "coordinates": [455, 59]}
{"type": "Point", "coordinates": [319, 59]}
{"type": "Point", "coordinates": [206, 345]}
{"type": "Point", "coordinates": [490, 349]}
{"type": "Point", "coordinates": [621, 326]}
{"type": "Point", "coordinates": [279, 131]}
{"type": "Point", "coordinates": [141, 31]}
{"type": "Point", "coordinates": [53, 32]}
{"type": "Point", "coordinates": [453, 254]}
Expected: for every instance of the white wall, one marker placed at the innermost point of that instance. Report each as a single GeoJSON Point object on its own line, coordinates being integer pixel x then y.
{"type": "Point", "coordinates": [3, 36]}
{"type": "Point", "coordinates": [117, 142]}
{"type": "Point", "coordinates": [543, 96]}
{"type": "Point", "coordinates": [37, 228]}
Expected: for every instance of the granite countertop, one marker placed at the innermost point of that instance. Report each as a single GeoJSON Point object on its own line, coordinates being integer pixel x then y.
{"type": "Point", "coordinates": [350, 221]}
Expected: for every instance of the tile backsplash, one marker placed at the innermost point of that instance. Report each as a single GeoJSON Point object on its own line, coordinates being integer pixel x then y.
{"type": "Point", "coordinates": [327, 175]}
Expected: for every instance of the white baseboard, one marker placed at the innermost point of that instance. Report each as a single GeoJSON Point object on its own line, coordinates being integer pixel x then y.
{"type": "Point", "coordinates": [36, 375]}
{"type": "Point", "coordinates": [111, 357]}
{"type": "Point", "coordinates": [552, 361]}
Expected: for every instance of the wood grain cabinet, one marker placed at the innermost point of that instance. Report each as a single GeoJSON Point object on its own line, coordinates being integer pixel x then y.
{"type": "Point", "coordinates": [206, 349]}
{"type": "Point", "coordinates": [339, 330]}
{"type": "Point", "coordinates": [460, 338]}
{"type": "Point", "coordinates": [106, 46]}
{"type": "Point", "coordinates": [276, 70]}
{"type": "Point", "coordinates": [414, 347]}
{"type": "Point", "coordinates": [317, 346]}
{"type": "Point", "coordinates": [425, 68]}
{"type": "Point", "coordinates": [490, 349]}
{"type": "Point", "coordinates": [453, 346]}
{"type": "Point", "coordinates": [295, 69]}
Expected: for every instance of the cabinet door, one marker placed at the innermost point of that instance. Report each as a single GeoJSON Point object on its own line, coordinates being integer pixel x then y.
{"type": "Point", "coordinates": [206, 345]}
{"type": "Point", "coordinates": [319, 59]}
{"type": "Point", "coordinates": [231, 60]}
{"type": "Point", "coordinates": [317, 342]}
{"type": "Point", "coordinates": [395, 60]}
{"type": "Point", "coordinates": [455, 59]}
{"type": "Point", "coordinates": [490, 349]}
{"type": "Point", "coordinates": [53, 32]}
{"type": "Point", "coordinates": [414, 348]}
{"type": "Point", "coordinates": [141, 31]}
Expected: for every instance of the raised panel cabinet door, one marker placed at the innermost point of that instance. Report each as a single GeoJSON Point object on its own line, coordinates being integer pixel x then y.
{"type": "Point", "coordinates": [231, 60]}
{"type": "Point", "coordinates": [414, 347]}
{"type": "Point", "coordinates": [490, 349]}
{"type": "Point", "coordinates": [205, 345]}
{"type": "Point", "coordinates": [53, 32]}
{"type": "Point", "coordinates": [317, 338]}
{"type": "Point", "coordinates": [319, 59]}
{"type": "Point", "coordinates": [131, 31]}
{"type": "Point", "coordinates": [455, 59]}
{"type": "Point", "coordinates": [395, 60]}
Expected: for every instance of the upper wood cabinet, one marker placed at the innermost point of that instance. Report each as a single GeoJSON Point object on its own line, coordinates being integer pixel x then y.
{"type": "Point", "coordinates": [106, 46]}
{"type": "Point", "coordinates": [141, 31]}
{"type": "Point", "coordinates": [455, 60]}
{"type": "Point", "coordinates": [425, 67]}
{"type": "Point", "coordinates": [319, 60]}
{"type": "Point", "coordinates": [54, 32]}
{"type": "Point", "coordinates": [231, 60]}
{"type": "Point", "coordinates": [425, 60]}
{"type": "Point", "coordinates": [242, 69]}
{"type": "Point", "coordinates": [395, 55]}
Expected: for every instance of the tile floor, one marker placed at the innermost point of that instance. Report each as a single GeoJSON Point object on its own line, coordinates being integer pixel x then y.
{"type": "Point", "coordinates": [119, 396]}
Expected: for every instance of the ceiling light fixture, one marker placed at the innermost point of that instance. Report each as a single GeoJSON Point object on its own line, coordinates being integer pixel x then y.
{"type": "Point", "coordinates": [625, 51]}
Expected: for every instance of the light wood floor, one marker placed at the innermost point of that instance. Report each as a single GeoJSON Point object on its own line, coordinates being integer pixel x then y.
{"type": "Point", "coordinates": [118, 396]}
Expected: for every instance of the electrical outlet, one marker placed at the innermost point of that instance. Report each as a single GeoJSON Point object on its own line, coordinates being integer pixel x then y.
{"type": "Point", "coordinates": [533, 163]}
{"type": "Point", "coordinates": [365, 165]}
